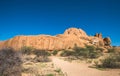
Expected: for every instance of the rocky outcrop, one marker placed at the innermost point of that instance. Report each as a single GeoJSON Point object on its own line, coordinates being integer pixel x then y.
{"type": "Point", "coordinates": [107, 41]}
{"type": "Point", "coordinates": [76, 32]}
{"type": "Point", "coordinates": [99, 35]}
{"type": "Point", "coordinates": [68, 40]}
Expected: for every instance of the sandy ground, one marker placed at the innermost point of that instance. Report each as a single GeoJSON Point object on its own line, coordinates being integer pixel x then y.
{"type": "Point", "coordinates": [82, 69]}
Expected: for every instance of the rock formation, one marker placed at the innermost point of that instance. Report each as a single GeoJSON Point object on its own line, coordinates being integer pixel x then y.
{"type": "Point", "coordinates": [107, 41]}
{"type": "Point", "coordinates": [98, 35]}
{"type": "Point", "coordinates": [69, 39]}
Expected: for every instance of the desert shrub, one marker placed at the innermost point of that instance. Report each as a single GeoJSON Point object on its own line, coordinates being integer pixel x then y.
{"type": "Point", "coordinates": [93, 55]}
{"type": "Point", "coordinates": [93, 52]}
{"type": "Point", "coordinates": [96, 63]}
{"type": "Point", "coordinates": [27, 58]}
{"type": "Point", "coordinates": [58, 70]}
{"type": "Point", "coordinates": [67, 53]}
{"type": "Point", "coordinates": [99, 49]}
{"type": "Point", "coordinates": [87, 52]}
{"type": "Point", "coordinates": [90, 48]}
{"type": "Point", "coordinates": [55, 52]}
{"type": "Point", "coordinates": [26, 50]}
{"type": "Point", "coordinates": [41, 59]}
{"type": "Point", "coordinates": [41, 55]}
{"type": "Point", "coordinates": [108, 62]}
{"type": "Point", "coordinates": [89, 61]}
{"type": "Point", "coordinates": [38, 52]}
{"type": "Point", "coordinates": [111, 50]}
{"type": "Point", "coordinates": [82, 52]}
{"type": "Point", "coordinates": [112, 61]}
{"type": "Point", "coordinates": [50, 75]}
{"type": "Point", "coordinates": [37, 55]}
{"type": "Point", "coordinates": [10, 62]}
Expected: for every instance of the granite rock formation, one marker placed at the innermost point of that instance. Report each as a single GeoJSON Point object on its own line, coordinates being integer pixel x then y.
{"type": "Point", "coordinates": [68, 40]}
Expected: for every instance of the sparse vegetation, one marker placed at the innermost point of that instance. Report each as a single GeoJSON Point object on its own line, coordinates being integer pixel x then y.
{"type": "Point", "coordinates": [41, 69]}
{"type": "Point", "coordinates": [50, 75]}
{"type": "Point", "coordinates": [10, 62]}
{"type": "Point", "coordinates": [87, 52]}
{"type": "Point", "coordinates": [31, 70]}
{"type": "Point", "coordinates": [32, 60]}
{"type": "Point", "coordinates": [67, 53]}
{"type": "Point", "coordinates": [58, 70]}
{"type": "Point", "coordinates": [27, 50]}
{"type": "Point", "coordinates": [38, 52]}
{"type": "Point", "coordinates": [96, 63]}
{"type": "Point", "coordinates": [99, 49]}
{"type": "Point", "coordinates": [41, 59]}
{"type": "Point", "coordinates": [111, 50]}
{"type": "Point", "coordinates": [111, 61]}
{"type": "Point", "coordinates": [89, 61]}
{"type": "Point", "coordinates": [41, 56]}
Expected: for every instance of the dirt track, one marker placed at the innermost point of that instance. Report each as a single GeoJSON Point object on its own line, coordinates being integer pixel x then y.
{"type": "Point", "coordinates": [81, 69]}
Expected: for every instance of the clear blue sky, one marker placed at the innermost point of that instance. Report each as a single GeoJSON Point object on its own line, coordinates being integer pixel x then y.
{"type": "Point", "coordinates": [33, 17]}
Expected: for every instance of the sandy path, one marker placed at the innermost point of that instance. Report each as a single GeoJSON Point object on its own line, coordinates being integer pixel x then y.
{"type": "Point", "coordinates": [81, 69]}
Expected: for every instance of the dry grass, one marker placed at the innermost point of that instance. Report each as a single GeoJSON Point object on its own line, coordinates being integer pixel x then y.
{"type": "Point", "coordinates": [41, 69]}
{"type": "Point", "coordinates": [38, 66]}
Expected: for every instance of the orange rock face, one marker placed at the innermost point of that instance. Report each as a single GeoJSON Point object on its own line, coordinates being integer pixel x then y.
{"type": "Point", "coordinates": [69, 39]}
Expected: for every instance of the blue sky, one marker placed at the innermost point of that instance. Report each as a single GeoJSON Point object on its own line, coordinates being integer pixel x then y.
{"type": "Point", "coordinates": [33, 17]}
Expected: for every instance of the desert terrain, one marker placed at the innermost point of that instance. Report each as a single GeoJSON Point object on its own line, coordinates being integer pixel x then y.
{"type": "Point", "coordinates": [73, 53]}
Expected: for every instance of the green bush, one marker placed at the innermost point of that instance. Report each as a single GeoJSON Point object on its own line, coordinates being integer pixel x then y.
{"type": "Point", "coordinates": [87, 52]}
{"type": "Point", "coordinates": [90, 48]}
{"type": "Point", "coordinates": [38, 52]}
{"type": "Point", "coordinates": [112, 61]}
{"type": "Point", "coordinates": [10, 62]}
{"type": "Point", "coordinates": [39, 55]}
{"type": "Point", "coordinates": [67, 53]}
{"type": "Point", "coordinates": [30, 50]}
{"type": "Point", "coordinates": [94, 52]}
{"type": "Point", "coordinates": [82, 52]}
{"type": "Point", "coordinates": [55, 52]}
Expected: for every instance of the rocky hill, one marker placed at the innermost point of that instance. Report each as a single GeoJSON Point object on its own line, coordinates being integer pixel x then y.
{"type": "Point", "coordinates": [67, 40]}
